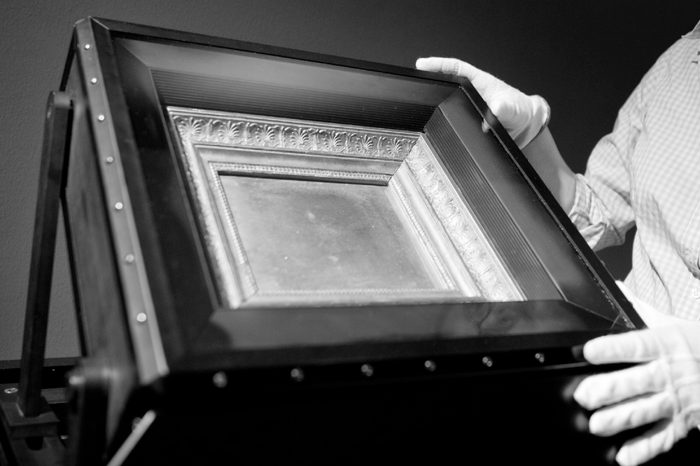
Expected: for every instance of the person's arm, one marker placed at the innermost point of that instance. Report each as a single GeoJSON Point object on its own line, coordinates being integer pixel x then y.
{"type": "Point", "coordinates": [544, 156]}
{"type": "Point", "coordinates": [599, 203]}
{"type": "Point", "coordinates": [525, 117]}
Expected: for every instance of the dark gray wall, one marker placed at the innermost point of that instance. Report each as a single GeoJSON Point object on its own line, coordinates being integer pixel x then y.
{"type": "Point", "coordinates": [584, 57]}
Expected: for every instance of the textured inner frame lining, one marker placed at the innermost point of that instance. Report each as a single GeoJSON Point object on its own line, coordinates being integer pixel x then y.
{"type": "Point", "coordinates": [515, 252]}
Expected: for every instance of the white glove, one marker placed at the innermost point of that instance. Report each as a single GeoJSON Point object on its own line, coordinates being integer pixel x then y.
{"type": "Point", "coordinates": [523, 116]}
{"type": "Point", "coordinates": [666, 388]}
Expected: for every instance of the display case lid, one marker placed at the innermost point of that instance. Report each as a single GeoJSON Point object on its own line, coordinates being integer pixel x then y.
{"type": "Point", "coordinates": [291, 209]}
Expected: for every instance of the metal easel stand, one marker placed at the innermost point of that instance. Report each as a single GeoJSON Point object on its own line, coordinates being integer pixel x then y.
{"type": "Point", "coordinates": [30, 434]}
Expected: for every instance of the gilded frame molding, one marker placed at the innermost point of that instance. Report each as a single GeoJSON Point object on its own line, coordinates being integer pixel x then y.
{"type": "Point", "coordinates": [464, 263]}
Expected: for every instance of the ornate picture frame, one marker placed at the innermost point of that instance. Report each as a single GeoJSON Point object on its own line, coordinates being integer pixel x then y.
{"type": "Point", "coordinates": [425, 231]}
{"type": "Point", "coordinates": [303, 241]}
{"type": "Point", "coordinates": [428, 247]}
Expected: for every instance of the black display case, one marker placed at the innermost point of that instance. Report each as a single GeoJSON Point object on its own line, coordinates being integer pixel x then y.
{"type": "Point", "coordinates": [286, 256]}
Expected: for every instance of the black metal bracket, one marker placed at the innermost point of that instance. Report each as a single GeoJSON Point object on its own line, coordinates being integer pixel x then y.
{"type": "Point", "coordinates": [87, 412]}
{"type": "Point", "coordinates": [24, 411]}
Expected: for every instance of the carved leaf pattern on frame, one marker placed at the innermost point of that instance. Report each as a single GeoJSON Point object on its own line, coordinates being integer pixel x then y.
{"type": "Point", "coordinates": [488, 276]}
{"type": "Point", "coordinates": [298, 138]}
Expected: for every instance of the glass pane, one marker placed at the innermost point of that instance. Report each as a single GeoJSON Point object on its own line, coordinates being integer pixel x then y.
{"type": "Point", "coordinates": [316, 236]}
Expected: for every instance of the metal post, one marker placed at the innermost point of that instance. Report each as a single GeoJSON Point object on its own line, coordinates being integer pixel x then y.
{"type": "Point", "coordinates": [51, 181]}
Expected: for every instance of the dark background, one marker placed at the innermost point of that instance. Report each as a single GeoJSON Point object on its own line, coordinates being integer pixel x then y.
{"type": "Point", "coordinates": [583, 57]}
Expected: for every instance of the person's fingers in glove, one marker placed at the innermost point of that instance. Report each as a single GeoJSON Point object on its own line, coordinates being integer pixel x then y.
{"type": "Point", "coordinates": [523, 116]}
{"type": "Point", "coordinates": [664, 389]}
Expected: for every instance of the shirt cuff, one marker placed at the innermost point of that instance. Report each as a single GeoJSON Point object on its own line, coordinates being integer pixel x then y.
{"type": "Point", "coordinates": [587, 216]}
{"type": "Point", "coordinates": [581, 208]}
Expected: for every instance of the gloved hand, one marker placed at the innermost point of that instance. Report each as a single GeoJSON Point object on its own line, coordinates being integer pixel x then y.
{"type": "Point", "coordinates": [523, 116]}
{"type": "Point", "coordinates": [665, 388]}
